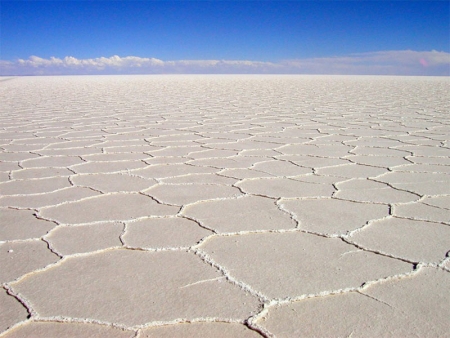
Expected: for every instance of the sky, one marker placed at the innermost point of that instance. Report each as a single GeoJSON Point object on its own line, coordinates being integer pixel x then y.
{"type": "Point", "coordinates": [304, 37]}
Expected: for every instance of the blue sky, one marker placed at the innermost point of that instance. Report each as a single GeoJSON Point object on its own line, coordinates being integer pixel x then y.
{"type": "Point", "coordinates": [49, 37]}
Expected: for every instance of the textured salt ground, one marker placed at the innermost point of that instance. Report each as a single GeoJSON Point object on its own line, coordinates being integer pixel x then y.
{"type": "Point", "coordinates": [275, 206]}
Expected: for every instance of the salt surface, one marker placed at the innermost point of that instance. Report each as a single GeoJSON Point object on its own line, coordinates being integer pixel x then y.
{"type": "Point", "coordinates": [232, 204]}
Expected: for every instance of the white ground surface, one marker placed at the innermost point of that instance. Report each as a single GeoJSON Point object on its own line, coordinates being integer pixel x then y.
{"type": "Point", "coordinates": [225, 206]}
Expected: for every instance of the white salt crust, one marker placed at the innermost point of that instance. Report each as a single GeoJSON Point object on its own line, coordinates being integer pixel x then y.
{"type": "Point", "coordinates": [274, 206]}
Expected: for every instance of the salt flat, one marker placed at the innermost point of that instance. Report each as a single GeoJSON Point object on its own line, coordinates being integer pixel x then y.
{"type": "Point", "coordinates": [225, 206]}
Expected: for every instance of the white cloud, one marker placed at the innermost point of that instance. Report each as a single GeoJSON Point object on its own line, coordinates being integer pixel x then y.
{"type": "Point", "coordinates": [405, 62]}
{"type": "Point", "coordinates": [69, 62]}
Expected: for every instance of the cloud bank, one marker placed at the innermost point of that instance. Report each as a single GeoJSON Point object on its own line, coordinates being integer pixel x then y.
{"type": "Point", "coordinates": [405, 62]}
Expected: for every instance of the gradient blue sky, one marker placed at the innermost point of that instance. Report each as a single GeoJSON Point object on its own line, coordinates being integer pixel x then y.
{"type": "Point", "coordinates": [271, 32]}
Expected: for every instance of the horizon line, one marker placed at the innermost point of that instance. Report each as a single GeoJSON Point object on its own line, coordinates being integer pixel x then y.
{"type": "Point", "coordinates": [394, 62]}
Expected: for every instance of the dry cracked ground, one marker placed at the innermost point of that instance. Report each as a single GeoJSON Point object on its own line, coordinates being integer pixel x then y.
{"type": "Point", "coordinates": [225, 206]}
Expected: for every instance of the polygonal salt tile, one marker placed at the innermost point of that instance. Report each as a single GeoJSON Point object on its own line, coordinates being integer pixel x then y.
{"type": "Point", "coordinates": [14, 135]}
{"type": "Point", "coordinates": [4, 176]}
{"type": "Point", "coordinates": [438, 201]}
{"type": "Point", "coordinates": [49, 198]}
{"type": "Point", "coordinates": [11, 311]}
{"type": "Point", "coordinates": [85, 134]}
{"type": "Point", "coordinates": [335, 151]}
{"type": "Point", "coordinates": [127, 133]}
{"type": "Point", "coordinates": [17, 259]}
{"type": "Point", "coordinates": [285, 187]}
{"type": "Point", "coordinates": [228, 135]}
{"type": "Point", "coordinates": [22, 147]}
{"type": "Point", "coordinates": [40, 173]}
{"type": "Point", "coordinates": [277, 140]}
{"type": "Point", "coordinates": [175, 144]}
{"type": "Point", "coordinates": [316, 179]}
{"type": "Point", "coordinates": [199, 330]}
{"type": "Point", "coordinates": [79, 151]}
{"type": "Point", "coordinates": [14, 157]}
{"type": "Point", "coordinates": [294, 263]}
{"type": "Point", "coordinates": [22, 224]}
{"type": "Point", "coordinates": [134, 133]}
{"type": "Point", "coordinates": [122, 143]}
{"type": "Point", "coordinates": [351, 171]}
{"type": "Point", "coordinates": [430, 160]}
{"type": "Point", "coordinates": [322, 316]}
{"type": "Point", "coordinates": [248, 213]}
{"type": "Point", "coordinates": [130, 287]}
{"type": "Point", "coordinates": [244, 145]}
{"type": "Point", "coordinates": [73, 144]}
{"type": "Point", "coordinates": [171, 170]}
{"type": "Point", "coordinates": [116, 207]}
{"type": "Point", "coordinates": [54, 132]}
{"type": "Point", "coordinates": [212, 142]}
{"type": "Point", "coordinates": [313, 162]}
{"type": "Point", "coordinates": [420, 138]}
{"type": "Point", "coordinates": [260, 152]}
{"type": "Point", "coordinates": [420, 183]}
{"type": "Point", "coordinates": [180, 194]}
{"type": "Point", "coordinates": [8, 166]}
{"type": "Point", "coordinates": [165, 160]}
{"type": "Point", "coordinates": [364, 190]}
{"type": "Point", "coordinates": [67, 329]}
{"type": "Point", "coordinates": [421, 211]}
{"type": "Point", "coordinates": [378, 161]}
{"type": "Point", "coordinates": [227, 162]}
{"type": "Point", "coordinates": [372, 131]}
{"type": "Point", "coordinates": [113, 182]}
{"type": "Point", "coordinates": [212, 153]}
{"type": "Point", "coordinates": [423, 168]}
{"type": "Point", "coordinates": [174, 151]}
{"type": "Point", "coordinates": [378, 142]}
{"type": "Point", "coordinates": [68, 240]}
{"type": "Point", "coordinates": [411, 177]}
{"type": "Point", "coordinates": [201, 179]}
{"type": "Point", "coordinates": [115, 157]}
{"type": "Point", "coordinates": [423, 300]}
{"type": "Point", "coordinates": [412, 306]}
{"type": "Point", "coordinates": [164, 233]}
{"type": "Point", "coordinates": [300, 132]}
{"type": "Point", "coordinates": [148, 148]}
{"type": "Point", "coordinates": [243, 173]}
{"type": "Point", "coordinates": [332, 216]}
{"type": "Point", "coordinates": [372, 151]}
{"type": "Point", "coordinates": [431, 151]}
{"type": "Point", "coordinates": [52, 161]}
{"type": "Point", "coordinates": [332, 139]}
{"type": "Point", "coordinates": [281, 141]}
{"type": "Point", "coordinates": [416, 241]}
{"type": "Point", "coordinates": [180, 137]}
{"type": "Point", "coordinates": [105, 167]}
{"type": "Point", "coordinates": [281, 168]}
{"type": "Point", "coordinates": [35, 186]}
